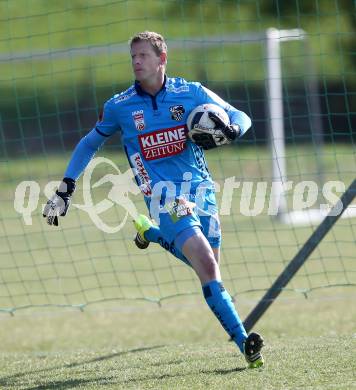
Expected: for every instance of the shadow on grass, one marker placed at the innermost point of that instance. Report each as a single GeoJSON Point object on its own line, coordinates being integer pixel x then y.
{"type": "Point", "coordinates": [71, 383]}
{"type": "Point", "coordinates": [224, 372]}
{"type": "Point", "coordinates": [8, 380]}
{"type": "Point", "coordinates": [168, 376]}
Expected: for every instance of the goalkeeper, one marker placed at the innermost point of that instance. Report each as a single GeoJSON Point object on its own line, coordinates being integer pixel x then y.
{"type": "Point", "coordinates": [171, 171]}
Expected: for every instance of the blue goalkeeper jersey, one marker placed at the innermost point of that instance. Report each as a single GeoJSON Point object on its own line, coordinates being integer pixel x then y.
{"type": "Point", "coordinates": [154, 135]}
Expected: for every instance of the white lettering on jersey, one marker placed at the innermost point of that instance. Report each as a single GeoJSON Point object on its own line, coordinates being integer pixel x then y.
{"type": "Point", "coordinates": [141, 173]}
{"type": "Point", "coordinates": [182, 88]}
{"type": "Point", "coordinates": [122, 97]}
{"type": "Point", "coordinates": [163, 143]}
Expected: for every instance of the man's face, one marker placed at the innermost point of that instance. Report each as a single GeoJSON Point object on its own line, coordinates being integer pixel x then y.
{"type": "Point", "coordinates": [146, 64]}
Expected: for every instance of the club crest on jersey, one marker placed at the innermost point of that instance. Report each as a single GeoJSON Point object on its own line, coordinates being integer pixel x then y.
{"type": "Point", "coordinates": [139, 120]}
{"type": "Point", "coordinates": [177, 112]}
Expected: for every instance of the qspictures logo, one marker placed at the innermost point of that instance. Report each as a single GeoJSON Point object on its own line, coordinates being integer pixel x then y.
{"type": "Point", "coordinates": [27, 196]}
{"type": "Point", "coordinates": [247, 198]}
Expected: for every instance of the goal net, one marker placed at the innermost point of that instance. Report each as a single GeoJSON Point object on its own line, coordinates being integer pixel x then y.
{"type": "Point", "coordinates": [296, 81]}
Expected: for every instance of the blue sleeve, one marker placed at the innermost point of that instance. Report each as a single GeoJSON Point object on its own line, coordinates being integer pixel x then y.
{"type": "Point", "coordinates": [108, 123]}
{"type": "Point", "coordinates": [83, 153]}
{"type": "Point", "coordinates": [91, 143]}
{"type": "Point", "coordinates": [204, 95]}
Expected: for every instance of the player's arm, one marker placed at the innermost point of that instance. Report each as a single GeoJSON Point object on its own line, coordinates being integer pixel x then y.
{"type": "Point", "coordinates": [239, 121]}
{"type": "Point", "coordinates": [83, 153]}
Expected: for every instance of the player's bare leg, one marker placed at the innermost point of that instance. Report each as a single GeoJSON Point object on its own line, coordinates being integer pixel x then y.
{"type": "Point", "coordinates": [201, 256]}
{"type": "Point", "coordinates": [216, 252]}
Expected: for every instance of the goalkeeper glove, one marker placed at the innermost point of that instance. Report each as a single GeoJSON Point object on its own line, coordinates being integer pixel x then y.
{"type": "Point", "coordinates": [59, 203]}
{"type": "Point", "coordinates": [222, 134]}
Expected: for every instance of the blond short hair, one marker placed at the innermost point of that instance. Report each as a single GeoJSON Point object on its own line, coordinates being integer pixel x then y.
{"type": "Point", "coordinates": [156, 40]}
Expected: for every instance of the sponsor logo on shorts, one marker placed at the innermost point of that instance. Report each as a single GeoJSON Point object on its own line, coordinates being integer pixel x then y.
{"type": "Point", "coordinates": [179, 208]}
{"type": "Point", "coordinates": [139, 120]}
{"type": "Point", "coordinates": [141, 174]}
{"type": "Point", "coordinates": [163, 143]}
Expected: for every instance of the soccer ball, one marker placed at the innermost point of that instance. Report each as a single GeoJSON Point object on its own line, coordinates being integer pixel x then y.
{"type": "Point", "coordinates": [199, 117]}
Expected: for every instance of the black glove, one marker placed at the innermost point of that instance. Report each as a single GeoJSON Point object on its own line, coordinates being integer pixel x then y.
{"type": "Point", "coordinates": [231, 132]}
{"type": "Point", "coordinates": [59, 203]}
{"type": "Point", "coordinates": [221, 134]}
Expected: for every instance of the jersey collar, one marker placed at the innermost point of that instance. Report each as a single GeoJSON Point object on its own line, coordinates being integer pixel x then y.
{"type": "Point", "coordinates": [142, 92]}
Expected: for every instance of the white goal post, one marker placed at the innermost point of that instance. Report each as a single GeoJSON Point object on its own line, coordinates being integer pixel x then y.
{"type": "Point", "coordinates": [274, 38]}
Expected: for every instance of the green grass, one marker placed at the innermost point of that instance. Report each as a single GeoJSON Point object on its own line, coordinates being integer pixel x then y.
{"type": "Point", "coordinates": [122, 341]}
{"type": "Point", "coordinates": [77, 264]}
{"type": "Point", "coordinates": [308, 363]}
{"type": "Point", "coordinates": [310, 345]}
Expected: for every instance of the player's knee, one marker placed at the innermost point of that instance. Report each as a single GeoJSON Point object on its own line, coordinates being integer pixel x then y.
{"type": "Point", "coordinates": [209, 266]}
{"type": "Point", "coordinates": [210, 270]}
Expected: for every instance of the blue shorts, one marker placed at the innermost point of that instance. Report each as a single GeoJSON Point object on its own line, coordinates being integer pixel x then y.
{"type": "Point", "coordinates": [181, 216]}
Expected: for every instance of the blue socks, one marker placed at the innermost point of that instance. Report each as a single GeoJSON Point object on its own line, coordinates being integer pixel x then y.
{"type": "Point", "coordinates": [220, 302]}
{"type": "Point", "coordinates": [153, 233]}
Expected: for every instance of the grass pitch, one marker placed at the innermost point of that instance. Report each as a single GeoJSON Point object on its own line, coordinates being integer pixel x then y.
{"type": "Point", "coordinates": [121, 343]}
{"type": "Point", "coordinates": [310, 345]}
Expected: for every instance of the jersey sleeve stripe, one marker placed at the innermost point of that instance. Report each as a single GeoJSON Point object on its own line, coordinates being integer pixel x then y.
{"type": "Point", "coordinates": [101, 133]}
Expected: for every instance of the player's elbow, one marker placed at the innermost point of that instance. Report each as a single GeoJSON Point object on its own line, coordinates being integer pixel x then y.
{"type": "Point", "coordinates": [92, 141]}
{"type": "Point", "coordinates": [244, 122]}
{"type": "Point", "coordinates": [249, 122]}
